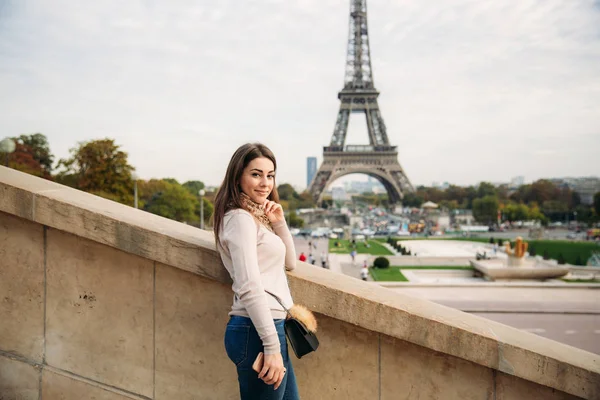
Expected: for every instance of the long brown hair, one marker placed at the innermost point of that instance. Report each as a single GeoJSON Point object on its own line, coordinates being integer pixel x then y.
{"type": "Point", "coordinates": [228, 196]}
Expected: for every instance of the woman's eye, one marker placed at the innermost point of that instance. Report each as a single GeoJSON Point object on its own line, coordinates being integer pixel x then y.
{"type": "Point", "coordinates": [271, 176]}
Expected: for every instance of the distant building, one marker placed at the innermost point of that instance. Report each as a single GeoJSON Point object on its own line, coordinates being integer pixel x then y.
{"type": "Point", "coordinates": [516, 182]}
{"type": "Point", "coordinates": [338, 193]}
{"type": "Point", "coordinates": [311, 169]}
{"type": "Point", "coordinates": [441, 186]}
{"type": "Point", "coordinates": [585, 187]}
{"type": "Point", "coordinates": [370, 186]}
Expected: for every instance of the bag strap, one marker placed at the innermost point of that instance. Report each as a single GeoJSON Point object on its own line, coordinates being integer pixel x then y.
{"type": "Point", "coordinates": [279, 301]}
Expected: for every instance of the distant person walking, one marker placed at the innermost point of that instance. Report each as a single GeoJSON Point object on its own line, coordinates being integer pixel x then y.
{"type": "Point", "coordinates": [311, 259]}
{"type": "Point", "coordinates": [323, 259]}
{"type": "Point", "coordinates": [302, 257]}
{"type": "Point", "coordinates": [364, 272]}
{"type": "Point", "coordinates": [353, 255]}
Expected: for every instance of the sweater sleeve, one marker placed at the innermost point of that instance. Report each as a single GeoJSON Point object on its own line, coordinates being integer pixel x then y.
{"type": "Point", "coordinates": [239, 236]}
{"type": "Point", "coordinates": [284, 234]}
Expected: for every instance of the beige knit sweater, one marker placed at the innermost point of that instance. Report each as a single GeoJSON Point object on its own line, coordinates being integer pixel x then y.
{"type": "Point", "coordinates": [255, 259]}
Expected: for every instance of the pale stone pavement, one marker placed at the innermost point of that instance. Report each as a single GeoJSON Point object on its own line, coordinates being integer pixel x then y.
{"type": "Point", "coordinates": [568, 315]}
{"type": "Point", "coordinates": [340, 263]}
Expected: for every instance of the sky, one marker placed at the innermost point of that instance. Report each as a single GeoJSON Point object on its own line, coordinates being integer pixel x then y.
{"type": "Point", "coordinates": [471, 90]}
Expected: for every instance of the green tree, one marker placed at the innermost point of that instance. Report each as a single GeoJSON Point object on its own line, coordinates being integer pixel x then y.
{"type": "Point", "coordinates": [295, 220]}
{"type": "Point", "coordinates": [536, 214]}
{"type": "Point", "coordinates": [147, 189]}
{"type": "Point", "coordinates": [470, 196]}
{"type": "Point", "coordinates": [485, 209]}
{"type": "Point", "coordinates": [287, 192]}
{"type": "Point", "coordinates": [171, 180]}
{"type": "Point", "coordinates": [412, 200]}
{"type": "Point", "coordinates": [292, 200]}
{"type": "Point", "coordinates": [101, 168]}
{"type": "Point", "coordinates": [541, 191]}
{"type": "Point", "coordinates": [516, 212]}
{"type": "Point", "coordinates": [174, 202]}
{"type": "Point", "coordinates": [456, 193]}
{"type": "Point", "coordinates": [305, 200]}
{"type": "Point", "coordinates": [194, 187]}
{"type": "Point", "coordinates": [449, 204]}
{"type": "Point", "coordinates": [486, 189]}
{"type": "Point", "coordinates": [555, 209]}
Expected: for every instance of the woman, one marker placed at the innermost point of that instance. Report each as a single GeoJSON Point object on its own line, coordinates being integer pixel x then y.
{"type": "Point", "coordinates": [255, 243]}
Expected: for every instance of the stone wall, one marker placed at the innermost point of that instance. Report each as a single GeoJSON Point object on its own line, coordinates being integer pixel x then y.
{"type": "Point", "coordinates": [101, 301]}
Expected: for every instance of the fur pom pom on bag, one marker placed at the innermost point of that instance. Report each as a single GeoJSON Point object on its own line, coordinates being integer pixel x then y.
{"type": "Point", "coordinates": [305, 316]}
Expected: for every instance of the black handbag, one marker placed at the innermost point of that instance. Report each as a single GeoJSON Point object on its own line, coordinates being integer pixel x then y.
{"type": "Point", "coordinates": [302, 340]}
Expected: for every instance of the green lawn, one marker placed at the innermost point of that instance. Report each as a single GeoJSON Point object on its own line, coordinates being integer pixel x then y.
{"type": "Point", "coordinates": [375, 249]}
{"type": "Point", "coordinates": [466, 267]}
{"type": "Point", "coordinates": [391, 274]}
{"type": "Point", "coordinates": [394, 274]}
{"type": "Point", "coordinates": [576, 253]}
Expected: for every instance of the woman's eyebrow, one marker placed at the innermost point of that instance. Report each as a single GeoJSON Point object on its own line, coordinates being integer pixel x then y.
{"type": "Point", "coordinates": [261, 171]}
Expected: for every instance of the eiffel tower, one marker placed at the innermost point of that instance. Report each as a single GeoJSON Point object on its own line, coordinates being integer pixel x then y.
{"type": "Point", "coordinates": [378, 159]}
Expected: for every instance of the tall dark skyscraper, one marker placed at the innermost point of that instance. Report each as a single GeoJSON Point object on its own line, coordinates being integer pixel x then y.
{"type": "Point", "coordinates": [311, 169]}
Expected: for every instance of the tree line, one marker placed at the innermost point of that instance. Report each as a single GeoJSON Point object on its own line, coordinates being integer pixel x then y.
{"type": "Point", "coordinates": [541, 200]}
{"type": "Point", "coordinates": [101, 167]}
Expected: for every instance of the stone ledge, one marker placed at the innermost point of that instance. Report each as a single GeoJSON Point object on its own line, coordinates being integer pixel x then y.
{"type": "Point", "coordinates": [427, 324]}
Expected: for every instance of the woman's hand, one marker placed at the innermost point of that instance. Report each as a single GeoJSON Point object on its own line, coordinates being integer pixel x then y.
{"type": "Point", "coordinates": [273, 211]}
{"type": "Point", "coordinates": [273, 370]}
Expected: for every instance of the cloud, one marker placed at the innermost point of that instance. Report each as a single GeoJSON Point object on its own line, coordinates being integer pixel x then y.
{"type": "Point", "coordinates": [469, 90]}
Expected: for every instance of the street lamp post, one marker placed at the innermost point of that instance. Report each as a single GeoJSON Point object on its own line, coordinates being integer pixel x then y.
{"type": "Point", "coordinates": [201, 192]}
{"type": "Point", "coordinates": [7, 145]}
{"type": "Point", "coordinates": [135, 191]}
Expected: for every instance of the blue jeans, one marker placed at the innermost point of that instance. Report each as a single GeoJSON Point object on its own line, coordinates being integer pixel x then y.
{"type": "Point", "coordinates": [243, 344]}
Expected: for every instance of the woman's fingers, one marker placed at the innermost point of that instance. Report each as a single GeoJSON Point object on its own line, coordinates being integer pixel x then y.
{"type": "Point", "coordinates": [272, 376]}
{"type": "Point", "coordinates": [263, 371]}
{"type": "Point", "coordinates": [267, 206]}
{"type": "Point", "coordinates": [281, 376]}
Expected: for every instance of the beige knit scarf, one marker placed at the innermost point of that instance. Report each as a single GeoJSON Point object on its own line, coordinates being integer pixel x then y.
{"type": "Point", "coordinates": [256, 210]}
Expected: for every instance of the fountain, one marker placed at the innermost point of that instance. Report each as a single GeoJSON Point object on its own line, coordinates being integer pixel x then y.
{"type": "Point", "coordinates": [517, 267]}
{"type": "Point", "coordinates": [516, 256]}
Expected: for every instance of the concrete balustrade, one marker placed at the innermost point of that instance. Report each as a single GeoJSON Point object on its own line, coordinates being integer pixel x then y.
{"type": "Point", "coordinates": [100, 300]}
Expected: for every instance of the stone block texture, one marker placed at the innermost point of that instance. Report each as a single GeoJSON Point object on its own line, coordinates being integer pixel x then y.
{"type": "Point", "coordinates": [344, 367]}
{"type": "Point", "coordinates": [18, 380]}
{"type": "Point", "coordinates": [99, 317]}
{"type": "Point", "coordinates": [413, 372]}
{"type": "Point", "coordinates": [191, 315]}
{"type": "Point", "coordinates": [21, 287]}
{"type": "Point", "coordinates": [56, 386]}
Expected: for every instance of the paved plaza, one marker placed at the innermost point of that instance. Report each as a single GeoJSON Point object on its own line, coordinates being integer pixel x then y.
{"type": "Point", "coordinates": [449, 248]}
{"type": "Point", "coordinates": [568, 314]}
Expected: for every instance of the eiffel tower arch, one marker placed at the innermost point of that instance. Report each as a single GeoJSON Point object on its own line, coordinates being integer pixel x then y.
{"type": "Point", "coordinates": [379, 158]}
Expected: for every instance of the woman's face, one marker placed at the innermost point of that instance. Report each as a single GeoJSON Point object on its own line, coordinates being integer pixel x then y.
{"type": "Point", "coordinates": [258, 179]}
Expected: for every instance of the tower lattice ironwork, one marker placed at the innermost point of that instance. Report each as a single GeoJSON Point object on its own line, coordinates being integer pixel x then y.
{"type": "Point", "coordinates": [378, 159]}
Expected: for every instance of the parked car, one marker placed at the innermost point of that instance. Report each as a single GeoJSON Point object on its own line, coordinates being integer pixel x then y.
{"type": "Point", "coordinates": [305, 232]}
